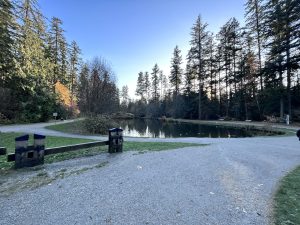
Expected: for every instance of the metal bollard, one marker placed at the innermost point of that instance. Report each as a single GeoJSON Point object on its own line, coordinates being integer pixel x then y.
{"type": "Point", "coordinates": [115, 140]}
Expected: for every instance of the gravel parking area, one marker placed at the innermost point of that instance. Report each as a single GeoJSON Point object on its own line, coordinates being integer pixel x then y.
{"type": "Point", "coordinates": [230, 181]}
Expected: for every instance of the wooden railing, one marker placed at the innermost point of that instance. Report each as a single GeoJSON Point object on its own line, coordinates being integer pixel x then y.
{"type": "Point", "coordinates": [31, 155]}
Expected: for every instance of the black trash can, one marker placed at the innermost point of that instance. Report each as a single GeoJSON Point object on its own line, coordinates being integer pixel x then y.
{"type": "Point", "coordinates": [115, 140]}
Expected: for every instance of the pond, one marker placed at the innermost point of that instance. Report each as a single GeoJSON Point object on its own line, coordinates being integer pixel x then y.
{"type": "Point", "coordinates": [160, 129]}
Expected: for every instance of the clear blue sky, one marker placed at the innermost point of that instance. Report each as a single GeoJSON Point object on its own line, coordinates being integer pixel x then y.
{"type": "Point", "coordinates": [133, 35]}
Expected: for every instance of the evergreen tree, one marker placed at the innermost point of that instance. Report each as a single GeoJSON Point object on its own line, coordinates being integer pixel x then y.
{"type": "Point", "coordinates": [7, 42]}
{"type": "Point", "coordinates": [255, 19]}
{"type": "Point", "coordinates": [226, 47]}
{"type": "Point", "coordinates": [198, 53]}
{"type": "Point", "coordinates": [212, 68]}
{"type": "Point", "coordinates": [83, 89]}
{"type": "Point", "coordinates": [32, 61]}
{"type": "Point", "coordinates": [125, 96]}
{"type": "Point", "coordinates": [234, 45]}
{"type": "Point", "coordinates": [176, 71]}
{"type": "Point", "coordinates": [163, 84]}
{"type": "Point", "coordinates": [74, 63]}
{"type": "Point", "coordinates": [248, 69]}
{"type": "Point", "coordinates": [189, 79]}
{"type": "Point", "coordinates": [155, 83]}
{"type": "Point", "coordinates": [58, 51]}
{"type": "Point", "coordinates": [147, 86]}
{"type": "Point", "coordinates": [140, 86]}
{"type": "Point", "coordinates": [284, 23]}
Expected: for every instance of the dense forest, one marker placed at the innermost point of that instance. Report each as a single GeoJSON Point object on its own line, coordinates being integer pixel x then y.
{"type": "Point", "coordinates": [40, 73]}
{"type": "Point", "coordinates": [242, 73]}
{"type": "Point", "coordinates": [249, 72]}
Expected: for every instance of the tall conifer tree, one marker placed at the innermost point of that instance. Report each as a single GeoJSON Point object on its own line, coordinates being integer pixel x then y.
{"type": "Point", "coordinates": [176, 71]}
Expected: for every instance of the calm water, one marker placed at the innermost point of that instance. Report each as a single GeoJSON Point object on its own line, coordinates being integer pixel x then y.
{"type": "Point", "coordinates": [159, 129]}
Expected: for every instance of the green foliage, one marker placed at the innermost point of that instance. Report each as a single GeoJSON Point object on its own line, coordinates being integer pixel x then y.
{"type": "Point", "coordinates": [58, 54]}
{"type": "Point", "coordinates": [155, 83]}
{"type": "Point", "coordinates": [138, 108]}
{"type": "Point", "coordinates": [140, 86]}
{"type": "Point", "coordinates": [74, 64]}
{"type": "Point", "coordinates": [7, 27]}
{"type": "Point", "coordinates": [27, 64]}
{"type": "Point", "coordinates": [147, 86]}
{"type": "Point", "coordinates": [3, 119]}
{"type": "Point", "coordinates": [28, 105]}
{"type": "Point", "coordinates": [99, 124]}
{"type": "Point", "coordinates": [176, 71]}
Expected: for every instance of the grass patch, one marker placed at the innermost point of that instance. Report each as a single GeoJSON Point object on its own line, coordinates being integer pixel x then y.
{"type": "Point", "coordinates": [8, 140]}
{"type": "Point", "coordinates": [76, 127]}
{"type": "Point", "coordinates": [127, 146]}
{"type": "Point", "coordinates": [287, 200]}
{"type": "Point", "coordinates": [75, 154]}
{"type": "Point", "coordinates": [155, 146]}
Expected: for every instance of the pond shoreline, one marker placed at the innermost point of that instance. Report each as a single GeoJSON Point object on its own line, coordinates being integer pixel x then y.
{"type": "Point", "coordinates": [155, 128]}
{"type": "Point", "coordinates": [288, 129]}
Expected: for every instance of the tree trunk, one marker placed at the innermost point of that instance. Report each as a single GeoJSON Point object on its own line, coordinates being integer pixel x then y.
{"type": "Point", "coordinates": [258, 44]}
{"type": "Point", "coordinates": [281, 92]}
{"type": "Point", "coordinates": [281, 107]}
{"type": "Point", "coordinates": [288, 73]}
{"type": "Point", "coordinates": [200, 101]}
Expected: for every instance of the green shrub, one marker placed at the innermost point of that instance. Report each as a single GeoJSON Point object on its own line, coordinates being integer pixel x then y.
{"type": "Point", "coordinates": [4, 119]}
{"type": "Point", "coordinates": [99, 124]}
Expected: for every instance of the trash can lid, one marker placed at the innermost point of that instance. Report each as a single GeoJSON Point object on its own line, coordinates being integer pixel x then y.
{"type": "Point", "coordinates": [115, 129]}
{"type": "Point", "coordinates": [39, 136]}
{"type": "Point", "coordinates": [22, 138]}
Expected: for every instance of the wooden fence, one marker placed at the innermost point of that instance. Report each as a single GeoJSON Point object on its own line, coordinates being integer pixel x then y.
{"type": "Point", "coordinates": [31, 155]}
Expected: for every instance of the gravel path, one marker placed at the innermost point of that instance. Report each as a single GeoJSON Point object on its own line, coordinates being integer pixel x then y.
{"type": "Point", "coordinates": [231, 181]}
{"type": "Point", "coordinates": [39, 128]}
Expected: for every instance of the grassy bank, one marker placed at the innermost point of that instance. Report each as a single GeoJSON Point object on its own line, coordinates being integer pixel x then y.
{"type": "Point", "coordinates": [76, 127]}
{"type": "Point", "coordinates": [140, 147]}
{"type": "Point", "coordinates": [287, 200]}
{"type": "Point", "coordinates": [7, 140]}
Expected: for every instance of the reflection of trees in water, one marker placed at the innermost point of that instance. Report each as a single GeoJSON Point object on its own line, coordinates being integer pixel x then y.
{"type": "Point", "coordinates": [134, 125]}
{"type": "Point", "coordinates": [140, 126]}
{"type": "Point", "coordinates": [157, 128]}
{"type": "Point", "coordinates": [154, 126]}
